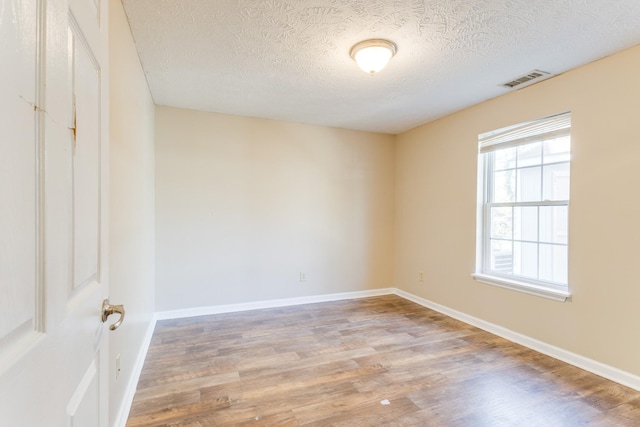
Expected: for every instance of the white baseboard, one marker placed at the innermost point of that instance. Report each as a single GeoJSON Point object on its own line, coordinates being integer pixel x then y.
{"type": "Point", "coordinates": [130, 391]}
{"type": "Point", "coordinates": [593, 366]}
{"type": "Point", "coordinates": [231, 308]}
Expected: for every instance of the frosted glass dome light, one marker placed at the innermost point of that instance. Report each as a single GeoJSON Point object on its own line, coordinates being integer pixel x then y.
{"type": "Point", "coordinates": [373, 55]}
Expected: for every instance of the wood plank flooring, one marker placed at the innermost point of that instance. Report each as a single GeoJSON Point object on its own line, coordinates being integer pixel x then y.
{"type": "Point", "coordinates": [339, 363]}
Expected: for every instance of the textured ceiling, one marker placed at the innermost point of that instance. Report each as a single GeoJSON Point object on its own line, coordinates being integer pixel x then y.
{"type": "Point", "coordinates": [289, 59]}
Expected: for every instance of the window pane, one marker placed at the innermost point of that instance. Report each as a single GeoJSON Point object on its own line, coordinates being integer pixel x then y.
{"type": "Point", "coordinates": [553, 263]}
{"type": "Point", "coordinates": [505, 159]}
{"type": "Point", "coordinates": [501, 223]}
{"type": "Point", "coordinates": [525, 259]}
{"type": "Point", "coordinates": [530, 154]}
{"type": "Point", "coordinates": [557, 150]}
{"type": "Point", "coordinates": [501, 256]}
{"type": "Point", "coordinates": [529, 184]}
{"type": "Point", "coordinates": [554, 224]}
{"type": "Point", "coordinates": [556, 182]}
{"type": "Point", "coordinates": [504, 184]}
{"type": "Point", "coordinates": [525, 201]}
{"type": "Point", "coordinates": [525, 223]}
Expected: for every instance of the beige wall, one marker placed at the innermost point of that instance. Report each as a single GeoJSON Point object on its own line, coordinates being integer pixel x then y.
{"type": "Point", "coordinates": [244, 205]}
{"type": "Point", "coordinates": [131, 256]}
{"type": "Point", "coordinates": [436, 212]}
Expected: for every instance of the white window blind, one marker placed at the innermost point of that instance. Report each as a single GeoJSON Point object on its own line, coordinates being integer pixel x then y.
{"type": "Point", "coordinates": [524, 133]}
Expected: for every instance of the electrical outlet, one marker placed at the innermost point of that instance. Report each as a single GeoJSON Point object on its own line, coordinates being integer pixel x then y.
{"type": "Point", "coordinates": [421, 276]}
{"type": "Point", "coordinates": [303, 277]}
{"type": "Point", "coordinates": [117, 366]}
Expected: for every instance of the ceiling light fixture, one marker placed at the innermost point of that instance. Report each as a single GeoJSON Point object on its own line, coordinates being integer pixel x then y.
{"type": "Point", "coordinates": [373, 55]}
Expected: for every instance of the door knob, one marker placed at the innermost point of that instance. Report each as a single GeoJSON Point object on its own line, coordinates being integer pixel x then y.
{"type": "Point", "coordinates": [108, 310]}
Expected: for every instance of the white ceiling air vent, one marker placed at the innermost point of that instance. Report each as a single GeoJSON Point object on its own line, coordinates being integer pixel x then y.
{"type": "Point", "coordinates": [530, 78]}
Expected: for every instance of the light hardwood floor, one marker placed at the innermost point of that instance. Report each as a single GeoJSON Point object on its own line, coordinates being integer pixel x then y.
{"type": "Point", "coordinates": [337, 363]}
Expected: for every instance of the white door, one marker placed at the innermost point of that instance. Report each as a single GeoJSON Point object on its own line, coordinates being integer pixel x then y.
{"type": "Point", "coordinates": [53, 213]}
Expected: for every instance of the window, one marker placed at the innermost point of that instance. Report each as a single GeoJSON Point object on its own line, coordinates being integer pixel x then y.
{"type": "Point", "coordinates": [524, 206]}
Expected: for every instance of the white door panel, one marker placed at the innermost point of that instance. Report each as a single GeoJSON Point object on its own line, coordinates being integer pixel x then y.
{"type": "Point", "coordinates": [18, 178]}
{"type": "Point", "coordinates": [85, 139]}
{"type": "Point", "coordinates": [85, 402]}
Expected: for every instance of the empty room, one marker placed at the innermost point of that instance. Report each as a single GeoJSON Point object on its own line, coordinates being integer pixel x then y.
{"type": "Point", "coordinates": [328, 213]}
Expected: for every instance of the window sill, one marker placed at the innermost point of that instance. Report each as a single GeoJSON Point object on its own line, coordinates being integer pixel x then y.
{"type": "Point", "coordinates": [556, 295]}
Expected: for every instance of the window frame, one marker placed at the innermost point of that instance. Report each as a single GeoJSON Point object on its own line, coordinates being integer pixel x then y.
{"type": "Point", "coordinates": [484, 273]}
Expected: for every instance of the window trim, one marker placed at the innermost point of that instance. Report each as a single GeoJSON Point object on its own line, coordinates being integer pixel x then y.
{"type": "Point", "coordinates": [560, 124]}
{"type": "Point", "coordinates": [522, 286]}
